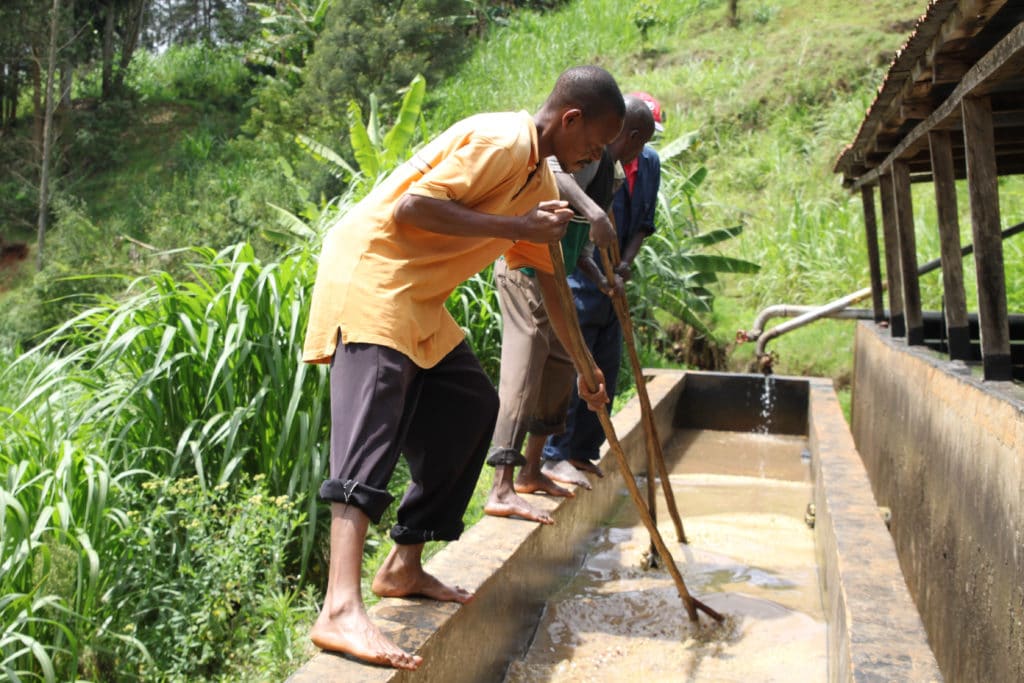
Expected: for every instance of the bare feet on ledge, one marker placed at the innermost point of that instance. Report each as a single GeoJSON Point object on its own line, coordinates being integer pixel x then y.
{"type": "Point", "coordinates": [399, 577]}
{"type": "Point", "coordinates": [564, 472]}
{"type": "Point", "coordinates": [587, 466]}
{"type": "Point", "coordinates": [350, 631]}
{"type": "Point", "coordinates": [538, 482]}
{"type": "Point", "coordinates": [508, 504]}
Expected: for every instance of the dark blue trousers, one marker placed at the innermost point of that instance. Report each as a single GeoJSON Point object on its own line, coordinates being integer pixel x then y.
{"type": "Point", "coordinates": [583, 435]}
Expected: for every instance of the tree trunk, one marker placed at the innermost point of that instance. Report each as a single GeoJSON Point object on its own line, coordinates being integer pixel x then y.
{"type": "Point", "coordinates": [5, 95]}
{"type": "Point", "coordinates": [134, 20]}
{"type": "Point", "coordinates": [734, 19]}
{"type": "Point", "coordinates": [107, 80]}
{"type": "Point", "coordinates": [37, 103]}
{"type": "Point", "coordinates": [44, 167]}
{"type": "Point", "coordinates": [14, 91]}
{"type": "Point", "coordinates": [67, 76]}
{"type": "Point", "coordinates": [67, 65]}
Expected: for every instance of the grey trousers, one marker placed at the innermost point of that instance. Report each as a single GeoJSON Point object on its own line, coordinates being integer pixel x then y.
{"type": "Point", "coordinates": [439, 418]}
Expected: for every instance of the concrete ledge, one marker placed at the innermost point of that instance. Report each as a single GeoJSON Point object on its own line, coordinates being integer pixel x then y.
{"type": "Point", "coordinates": [945, 451]}
{"type": "Point", "coordinates": [512, 566]}
{"type": "Point", "coordinates": [875, 633]}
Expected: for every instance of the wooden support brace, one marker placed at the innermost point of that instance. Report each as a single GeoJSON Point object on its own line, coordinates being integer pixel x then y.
{"type": "Point", "coordinates": [907, 252]}
{"type": "Point", "coordinates": [955, 301]}
{"type": "Point", "coordinates": [897, 325]}
{"type": "Point", "coordinates": [867, 194]}
{"type": "Point", "coordinates": [983, 188]}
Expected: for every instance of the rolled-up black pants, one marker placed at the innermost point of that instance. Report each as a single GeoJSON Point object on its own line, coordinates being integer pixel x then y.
{"type": "Point", "coordinates": [440, 418]}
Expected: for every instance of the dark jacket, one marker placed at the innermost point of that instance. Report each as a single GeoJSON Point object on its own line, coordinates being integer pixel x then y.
{"type": "Point", "coordinates": [634, 212]}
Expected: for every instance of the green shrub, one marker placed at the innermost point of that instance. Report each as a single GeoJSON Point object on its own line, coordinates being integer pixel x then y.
{"type": "Point", "coordinates": [374, 47]}
{"type": "Point", "coordinates": [215, 77]}
{"type": "Point", "coordinates": [209, 563]}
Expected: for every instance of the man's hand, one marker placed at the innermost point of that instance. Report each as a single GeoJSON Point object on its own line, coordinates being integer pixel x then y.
{"type": "Point", "coordinates": [594, 399]}
{"type": "Point", "coordinates": [624, 271]}
{"type": "Point", "coordinates": [546, 222]}
{"type": "Point", "coordinates": [613, 289]}
{"type": "Point", "coordinates": [602, 232]}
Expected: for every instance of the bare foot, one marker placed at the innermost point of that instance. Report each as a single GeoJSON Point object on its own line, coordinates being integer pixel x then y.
{"type": "Point", "coordinates": [508, 504]}
{"type": "Point", "coordinates": [587, 466]}
{"type": "Point", "coordinates": [400, 576]}
{"type": "Point", "coordinates": [538, 482]}
{"type": "Point", "coordinates": [351, 632]}
{"type": "Point", "coordinates": [562, 471]}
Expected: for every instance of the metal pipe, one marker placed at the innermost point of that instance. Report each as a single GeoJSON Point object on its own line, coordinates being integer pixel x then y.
{"type": "Point", "coordinates": [791, 311]}
{"type": "Point", "coordinates": [808, 314]}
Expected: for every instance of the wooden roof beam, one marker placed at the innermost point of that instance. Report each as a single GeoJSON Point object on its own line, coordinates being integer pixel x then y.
{"type": "Point", "coordinates": [949, 68]}
{"type": "Point", "coordinates": [947, 25]}
{"type": "Point", "coordinates": [1004, 60]}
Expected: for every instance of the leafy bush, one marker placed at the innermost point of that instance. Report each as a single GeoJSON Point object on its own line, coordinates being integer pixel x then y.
{"type": "Point", "coordinates": [209, 562]}
{"type": "Point", "coordinates": [675, 276]}
{"type": "Point", "coordinates": [215, 77]}
{"type": "Point", "coordinates": [80, 255]}
{"type": "Point", "coordinates": [374, 47]}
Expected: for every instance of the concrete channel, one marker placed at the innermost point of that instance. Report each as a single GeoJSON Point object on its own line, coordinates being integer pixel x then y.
{"type": "Point", "coordinates": [858, 623]}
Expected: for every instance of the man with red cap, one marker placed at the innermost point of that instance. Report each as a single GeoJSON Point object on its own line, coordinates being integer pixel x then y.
{"type": "Point", "coordinates": [577, 449]}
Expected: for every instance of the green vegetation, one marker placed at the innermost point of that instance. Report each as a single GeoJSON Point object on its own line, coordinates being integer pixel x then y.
{"type": "Point", "coordinates": [160, 441]}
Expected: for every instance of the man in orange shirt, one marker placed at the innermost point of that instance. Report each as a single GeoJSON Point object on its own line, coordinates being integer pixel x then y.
{"type": "Point", "coordinates": [536, 372]}
{"type": "Point", "coordinates": [403, 379]}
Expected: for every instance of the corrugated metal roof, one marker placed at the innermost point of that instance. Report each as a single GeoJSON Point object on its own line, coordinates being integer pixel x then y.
{"type": "Point", "coordinates": [947, 40]}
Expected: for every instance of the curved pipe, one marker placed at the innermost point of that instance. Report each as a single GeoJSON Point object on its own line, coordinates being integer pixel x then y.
{"type": "Point", "coordinates": [834, 309]}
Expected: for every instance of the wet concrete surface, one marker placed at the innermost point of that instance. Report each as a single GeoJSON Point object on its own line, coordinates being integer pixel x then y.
{"type": "Point", "coordinates": [751, 556]}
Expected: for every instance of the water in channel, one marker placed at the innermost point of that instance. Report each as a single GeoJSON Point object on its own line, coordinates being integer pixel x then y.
{"type": "Point", "coordinates": [742, 497]}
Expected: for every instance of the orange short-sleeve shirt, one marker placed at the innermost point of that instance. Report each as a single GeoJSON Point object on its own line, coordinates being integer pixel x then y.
{"type": "Point", "coordinates": [384, 282]}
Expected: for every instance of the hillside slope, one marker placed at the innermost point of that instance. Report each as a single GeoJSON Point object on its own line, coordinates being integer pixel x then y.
{"type": "Point", "coordinates": [774, 100]}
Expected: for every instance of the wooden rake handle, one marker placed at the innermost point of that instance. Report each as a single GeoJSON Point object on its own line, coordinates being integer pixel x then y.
{"type": "Point", "coordinates": [655, 455]}
{"type": "Point", "coordinates": [588, 373]}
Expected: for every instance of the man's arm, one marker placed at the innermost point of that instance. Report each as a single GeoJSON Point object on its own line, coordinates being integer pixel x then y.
{"type": "Point", "coordinates": [544, 223]}
{"type": "Point", "coordinates": [625, 267]}
{"type": "Point", "coordinates": [602, 232]}
{"type": "Point", "coordinates": [588, 266]}
{"type": "Point", "coordinates": [559, 323]}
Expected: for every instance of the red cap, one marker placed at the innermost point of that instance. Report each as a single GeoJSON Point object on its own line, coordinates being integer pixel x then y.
{"type": "Point", "coordinates": [654, 106]}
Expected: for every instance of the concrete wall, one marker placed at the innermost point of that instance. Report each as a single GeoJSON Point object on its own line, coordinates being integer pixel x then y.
{"type": "Point", "coordinates": [945, 452]}
{"type": "Point", "coordinates": [875, 633]}
{"type": "Point", "coordinates": [511, 566]}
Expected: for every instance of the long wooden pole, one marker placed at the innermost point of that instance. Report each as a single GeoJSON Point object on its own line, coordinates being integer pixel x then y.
{"type": "Point", "coordinates": [589, 376]}
{"type": "Point", "coordinates": [656, 456]}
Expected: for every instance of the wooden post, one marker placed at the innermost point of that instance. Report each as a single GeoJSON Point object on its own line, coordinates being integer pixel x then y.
{"type": "Point", "coordinates": [983, 190]}
{"type": "Point", "coordinates": [907, 251]}
{"type": "Point", "coordinates": [867, 195]}
{"type": "Point", "coordinates": [955, 301]}
{"type": "Point", "coordinates": [897, 327]}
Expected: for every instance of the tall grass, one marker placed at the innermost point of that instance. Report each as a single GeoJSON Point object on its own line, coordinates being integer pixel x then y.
{"type": "Point", "coordinates": [184, 380]}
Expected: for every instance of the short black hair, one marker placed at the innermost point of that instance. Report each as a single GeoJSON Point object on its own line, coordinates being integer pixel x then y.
{"type": "Point", "coordinates": [638, 116]}
{"type": "Point", "coordinates": [590, 89]}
